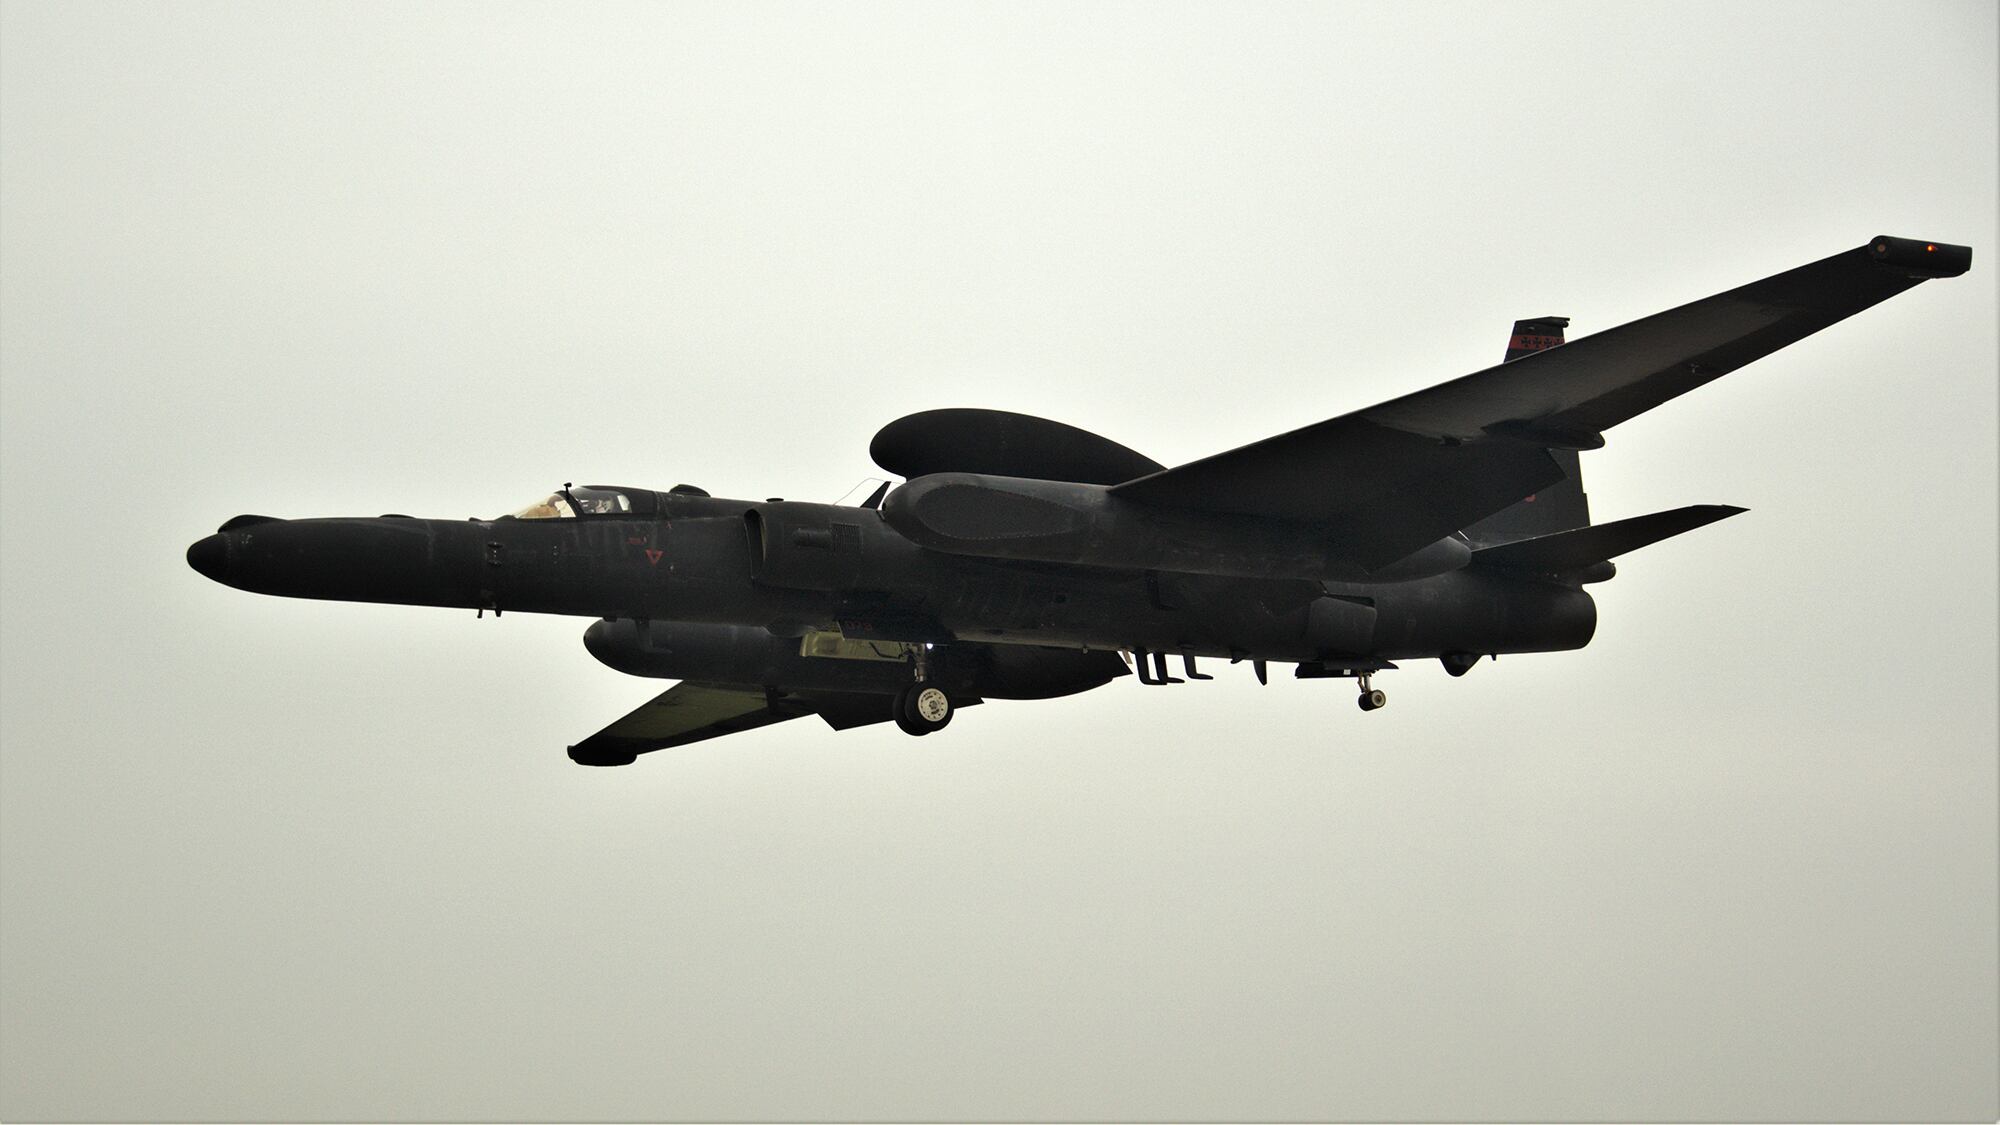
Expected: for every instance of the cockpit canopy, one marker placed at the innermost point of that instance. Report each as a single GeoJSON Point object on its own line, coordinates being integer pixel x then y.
{"type": "Point", "coordinates": [591, 500]}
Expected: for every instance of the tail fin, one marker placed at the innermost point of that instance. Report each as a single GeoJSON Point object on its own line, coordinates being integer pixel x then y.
{"type": "Point", "coordinates": [1560, 506]}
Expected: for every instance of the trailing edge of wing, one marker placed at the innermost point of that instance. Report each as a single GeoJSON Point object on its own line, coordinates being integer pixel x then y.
{"type": "Point", "coordinates": [1574, 550]}
{"type": "Point", "coordinates": [1396, 477]}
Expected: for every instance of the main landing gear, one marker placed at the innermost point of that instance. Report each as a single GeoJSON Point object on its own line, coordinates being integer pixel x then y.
{"type": "Point", "coordinates": [922, 708]}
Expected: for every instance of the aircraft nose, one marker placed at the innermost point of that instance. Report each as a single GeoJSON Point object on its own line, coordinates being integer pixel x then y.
{"type": "Point", "coordinates": [210, 557]}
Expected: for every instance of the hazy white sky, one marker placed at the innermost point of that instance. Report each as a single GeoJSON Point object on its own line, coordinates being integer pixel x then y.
{"type": "Point", "coordinates": [272, 859]}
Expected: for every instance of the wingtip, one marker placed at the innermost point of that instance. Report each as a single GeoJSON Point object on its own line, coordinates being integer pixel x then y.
{"type": "Point", "coordinates": [1921, 257]}
{"type": "Point", "coordinates": [1716, 513]}
{"type": "Point", "coordinates": [600, 758]}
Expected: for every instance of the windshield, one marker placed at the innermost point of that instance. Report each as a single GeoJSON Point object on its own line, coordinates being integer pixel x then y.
{"type": "Point", "coordinates": [601, 501]}
{"type": "Point", "coordinates": [588, 502]}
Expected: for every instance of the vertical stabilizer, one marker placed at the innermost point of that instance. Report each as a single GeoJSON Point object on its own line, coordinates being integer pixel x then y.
{"type": "Point", "coordinates": [1560, 506]}
{"type": "Point", "coordinates": [1531, 336]}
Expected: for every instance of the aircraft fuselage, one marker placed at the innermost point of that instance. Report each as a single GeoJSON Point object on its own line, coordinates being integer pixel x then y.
{"type": "Point", "coordinates": [789, 568]}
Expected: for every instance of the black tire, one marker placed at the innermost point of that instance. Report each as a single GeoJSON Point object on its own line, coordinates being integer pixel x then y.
{"type": "Point", "coordinates": [923, 708]}
{"type": "Point", "coordinates": [1371, 700]}
{"type": "Point", "coordinates": [906, 724]}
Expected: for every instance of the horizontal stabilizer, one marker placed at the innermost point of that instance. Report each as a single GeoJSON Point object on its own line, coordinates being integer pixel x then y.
{"type": "Point", "coordinates": [1574, 550]}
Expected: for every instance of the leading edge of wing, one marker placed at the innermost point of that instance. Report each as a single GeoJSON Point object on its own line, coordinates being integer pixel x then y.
{"type": "Point", "coordinates": [1582, 388]}
{"type": "Point", "coordinates": [1398, 476]}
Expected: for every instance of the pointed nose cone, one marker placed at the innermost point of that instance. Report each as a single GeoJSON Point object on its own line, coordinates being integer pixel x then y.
{"type": "Point", "coordinates": [210, 557]}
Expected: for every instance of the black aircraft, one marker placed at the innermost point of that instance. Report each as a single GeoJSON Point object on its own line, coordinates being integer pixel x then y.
{"type": "Point", "coordinates": [1025, 559]}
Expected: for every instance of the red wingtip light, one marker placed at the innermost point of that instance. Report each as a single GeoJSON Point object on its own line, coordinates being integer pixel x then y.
{"type": "Point", "coordinates": [1921, 256]}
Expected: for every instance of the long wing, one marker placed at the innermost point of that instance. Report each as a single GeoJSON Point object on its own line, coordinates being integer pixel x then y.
{"type": "Point", "coordinates": [693, 712]}
{"type": "Point", "coordinates": [1396, 477]}
{"type": "Point", "coordinates": [684, 713]}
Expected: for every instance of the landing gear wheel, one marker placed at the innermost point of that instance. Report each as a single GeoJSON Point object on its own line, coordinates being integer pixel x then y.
{"type": "Point", "coordinates": [922, 708]}
{"type": "Point", "coordinates": [1372, 700]}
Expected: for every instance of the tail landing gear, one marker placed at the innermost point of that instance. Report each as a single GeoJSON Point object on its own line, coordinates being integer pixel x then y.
{"type": "Point", "coordinates": [1358, 670]}
{"type": "Point", "coordinates": [1372, 699]}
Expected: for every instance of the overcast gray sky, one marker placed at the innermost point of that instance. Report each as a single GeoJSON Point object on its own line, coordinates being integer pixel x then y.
{"type": "Point", "coordinates": [274, 859]}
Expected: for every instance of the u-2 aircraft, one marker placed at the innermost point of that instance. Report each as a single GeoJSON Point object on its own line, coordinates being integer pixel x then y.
{"type": "Point", "coordinates": [1027, 559]}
